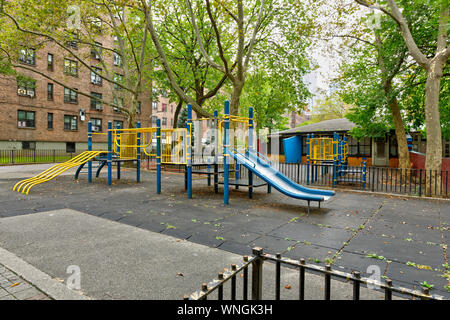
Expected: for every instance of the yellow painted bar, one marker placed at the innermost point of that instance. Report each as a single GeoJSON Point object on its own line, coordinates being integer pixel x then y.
{"type": "Point", "coordinates": [24, 186]}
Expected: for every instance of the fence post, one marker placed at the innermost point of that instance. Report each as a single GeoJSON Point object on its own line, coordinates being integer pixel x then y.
{"type": "Point", "coordinates": [225, 152]}
{"type": "Point", "coordinates": [257, 270]}
{"type": "Point", "coordinates": [356, 285]}
{"type": "Point", "coordinates": [327, 282]}
{"type": "Point", "coordinates": [278, 277]}
{"type": "Point", "coordinates": [138, 153]}
{"type": "Point", "coordinates": [420, 183]}
{"type": "Point", "coordinates": [189, 151]}
{"type": "Point", "coordinates": [158, 156]}
{"type": "Point", "coordinates": [308, 146]}
{"type": "Point", "coordinates": [118, 150]}
{"type": "Point", "coordinates": [54, 156]}
{"type": "Point", "coordinates": [109, 155]}
{"type": "Point", "coordinates": [89, 149]}
{"type": "Point", "coordinates": [12, 156]}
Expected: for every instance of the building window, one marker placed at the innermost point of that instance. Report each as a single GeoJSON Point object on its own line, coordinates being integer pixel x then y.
{"type": "Point", "coordinates": [393, 147]}
{"type": "Point", "coordinates": [154, 119]}
{"type": "Point", "coordinates": [118, 102]}
{"type": "Point", "coordinates": [25, 119]}
{"type": "Point", "coordinates": [70, 123]}
{"type": "Point", "coordinates": [50, 62]}
{"type": "Point", "coordinates": [71, 67]}
{"type": "Point", "coordinates": [138, 107]}
{"type": "Point", "coordinates": [155, 105]}
{"type": "Point", "coordinates": [361, 148]}
{"type": "Point", "coordinates": [26, 87]}
{"type": "Point", "coordinates": [28, 145]}
{"type": "Point", "coordinates": [96, 124]}
{"type": "Point", "coordinates": [96, 25]}
{"type": "Point", "coordinates": [95, 76]}
{"type": "Point", "coordinates": [118, 78]}
{"type": "Point", "coordinates": [70, 96]}
{"type": "Point", "coordinates": [96, 103]}
{"type": "Point", "coordinates": [49, 120]}
{"type": "Point", "coordinates": [164, 121]}
{"type": "Point", "coordinates": [70, 147]}
{"type": "Point", "coordinates": [96, 50]}
{"type": "Point", "coordinates": [73, 42]}
{"type": "Point", "coordinates": [50, 91]}
{"type": "Point", "coordinates": [164, 107]}
{"type": "Point", "coordinates": [352, 146]}
{"type": "Point", "coordinates": [365, 147]}
{"type": "Point", "coordinates": [117, 124]}
{"type": "Point", "coordinates": [117, 59]}
{"type": "Point", "coordinates": [27, 56]}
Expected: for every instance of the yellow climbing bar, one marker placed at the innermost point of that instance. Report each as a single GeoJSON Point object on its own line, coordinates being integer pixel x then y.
{"type": "Point", "coordinates": [24, 186]}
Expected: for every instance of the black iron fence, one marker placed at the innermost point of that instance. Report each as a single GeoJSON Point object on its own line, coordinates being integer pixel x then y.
{"type": "Point", "coordinates": [256, 264]}
{"type": "Point", "coordinates": [417, 182]}
{"type": "Point", "coordinates": [26, 156]}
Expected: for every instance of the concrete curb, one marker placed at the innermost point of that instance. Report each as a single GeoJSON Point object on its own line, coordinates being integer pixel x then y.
{"type": "Point", "coordinates": [37, 278]}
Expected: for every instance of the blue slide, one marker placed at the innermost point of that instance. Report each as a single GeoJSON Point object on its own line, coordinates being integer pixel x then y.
{"type": "Point", "coordinates": [279, 181]}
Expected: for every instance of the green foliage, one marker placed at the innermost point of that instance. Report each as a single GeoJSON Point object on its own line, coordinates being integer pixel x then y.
{"type": "Point", "coordinates": [362, 81]}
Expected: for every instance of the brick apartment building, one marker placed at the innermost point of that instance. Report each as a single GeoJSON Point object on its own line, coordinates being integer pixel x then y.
{"type": "Point", "coordinates": [45, 115]}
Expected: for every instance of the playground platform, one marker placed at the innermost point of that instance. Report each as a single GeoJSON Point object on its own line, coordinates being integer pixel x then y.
{"type": "Point", "coordinates": [406, 238]}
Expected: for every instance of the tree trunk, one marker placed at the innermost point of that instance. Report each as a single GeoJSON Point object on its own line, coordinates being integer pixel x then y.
{"type": "Point", "coordinates": [177, 113]}
{"type": "Point", "coordinates": [433, 161]}
{"type": "Point", "coordinates": [403, 152]}
{"type": "Point", "coordinates": [236, 97]}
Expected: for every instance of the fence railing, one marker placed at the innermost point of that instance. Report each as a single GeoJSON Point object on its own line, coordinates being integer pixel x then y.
{"type": "Point", "coordinates": [25, 156]}
{"type": "Point", "coordinates": [256, 264]}
{"type": "Point", "coordinates": [418, 182]}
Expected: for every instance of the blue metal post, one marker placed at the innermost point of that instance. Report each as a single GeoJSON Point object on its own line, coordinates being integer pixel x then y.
{"type": "Point", "coordinates": [118, 152]}
{"type": "Point", "coordinates": [340, 155]}
{"type": "Point", "coordinates": [250, 150]}
{"type": "Point", "coordinates": [216, 151]}
{"type": "Point", "coordinates": [364, 172]}
{"type": "Point", "coordinates": [335, 150]}
{"type": "Point", "coordinates": [225, 152]}
{"type": "Point", "coordinates": [109, 156]}
{"type": "Point", "coordinates": [312, 162]}
{"type": "Point", "coordinates": [158, 156]}
{"type": "Point", "coordinates": [189, 151]}
{"type": "Point", "coordinates": [138, 153]}
{"type": "Point", "coordinates": [308, 150]}
{"type": "Point", "coordinates": [345, 159]}
{"type": "Point", "coordinates": [90, 149]}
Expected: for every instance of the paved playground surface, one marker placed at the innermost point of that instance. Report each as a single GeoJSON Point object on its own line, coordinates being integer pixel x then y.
{"type": "Point", "coordinates": [407, 238]}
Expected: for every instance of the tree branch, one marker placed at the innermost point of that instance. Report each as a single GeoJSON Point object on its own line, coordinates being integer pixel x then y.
{"type": "Point", "coordinates": [200, 42]}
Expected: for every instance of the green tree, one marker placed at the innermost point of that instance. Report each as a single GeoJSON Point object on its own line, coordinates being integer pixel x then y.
{"type": "Point", "coordinates": [69, 24]}
{"type": "Point", "coordinates": [432, 64]}
{"type": "Point", "coordinates": [189, 71]}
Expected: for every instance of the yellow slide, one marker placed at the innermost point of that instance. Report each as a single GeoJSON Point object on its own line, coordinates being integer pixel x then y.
{"type": "Point", "coordinates": [24, 186]}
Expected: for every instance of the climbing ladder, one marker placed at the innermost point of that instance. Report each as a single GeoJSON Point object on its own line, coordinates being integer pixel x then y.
{"type": "Point", "coordinates": [24, 186]}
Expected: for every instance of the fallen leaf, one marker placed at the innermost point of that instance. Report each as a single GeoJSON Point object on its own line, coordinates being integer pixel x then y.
{"type": "Point", "coordinates": [180, 274]}
{"type": "Point", "coordinates": [287, 286]}
{"type": "Point", "coordinates": [14, 284]}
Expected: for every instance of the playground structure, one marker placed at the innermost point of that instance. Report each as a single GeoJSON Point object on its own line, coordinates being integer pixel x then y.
{"type": "Point", "coordinates": [228, 142]}
{"type": "Point", "coordinates": [325, 153]}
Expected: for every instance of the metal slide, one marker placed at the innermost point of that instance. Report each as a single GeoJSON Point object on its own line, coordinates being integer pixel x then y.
{"type": "Point", "coordinates": [24, 186]}
{"type": "Point", "coordinates": [265, 171]}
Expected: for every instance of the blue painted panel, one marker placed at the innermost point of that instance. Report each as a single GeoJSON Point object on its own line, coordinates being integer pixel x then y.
{"type": "Point", "coordinates": [293, 149]}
